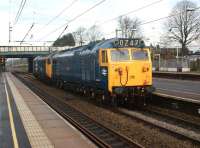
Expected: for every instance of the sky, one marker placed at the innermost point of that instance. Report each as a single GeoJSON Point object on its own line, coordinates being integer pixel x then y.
{"type": "Point", "coordinates": [40, 12]}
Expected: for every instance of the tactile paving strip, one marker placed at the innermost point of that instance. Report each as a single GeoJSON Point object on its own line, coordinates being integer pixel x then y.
{"type": "Point", "coordinates": [37, 137]}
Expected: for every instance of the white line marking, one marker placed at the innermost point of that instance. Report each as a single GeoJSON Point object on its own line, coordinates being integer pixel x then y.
{"type": "Point", "coordinates": [12, 125]}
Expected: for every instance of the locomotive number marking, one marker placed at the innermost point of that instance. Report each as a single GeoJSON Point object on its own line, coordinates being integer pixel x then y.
{"type": "Point", "coordinates": [127, 43]}
{"type": "Point", "coordinates": [131, 43]}
{"type": "Point", "coordinates": [121, 42]}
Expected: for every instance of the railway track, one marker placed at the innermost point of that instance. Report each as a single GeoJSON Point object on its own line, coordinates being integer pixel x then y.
{"type": "Point", "coordinates": [102, 136]}
{"type": "Point", "coordinates": [178, 127]}
{"type": "Point", "coordinates": [186, 119]}
{"type": "Point", "coordinates": [182, 105]}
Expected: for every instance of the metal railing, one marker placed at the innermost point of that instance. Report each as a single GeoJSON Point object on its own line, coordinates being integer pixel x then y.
{"type": "Point", "coordinates": [15, 50]}
{"type": "Point", "coordinates": [23, 48]}
{"type": "Point", "coordinates": [171, 64]}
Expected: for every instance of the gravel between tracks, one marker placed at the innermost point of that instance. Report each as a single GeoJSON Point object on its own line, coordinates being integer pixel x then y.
{"type": "Point", "coordinates": [141, 132]}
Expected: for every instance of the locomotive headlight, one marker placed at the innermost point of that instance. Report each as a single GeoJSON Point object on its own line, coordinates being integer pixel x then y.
{"type": "Point", "coordinates": [104, 72]}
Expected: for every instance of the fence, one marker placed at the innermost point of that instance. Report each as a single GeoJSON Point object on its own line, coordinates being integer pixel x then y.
{"type": "Point", "coordinates": [173, 65]}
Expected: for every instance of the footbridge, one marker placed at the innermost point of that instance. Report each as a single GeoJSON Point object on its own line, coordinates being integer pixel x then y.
{"type": "Point", "coordinates": [29, 52]}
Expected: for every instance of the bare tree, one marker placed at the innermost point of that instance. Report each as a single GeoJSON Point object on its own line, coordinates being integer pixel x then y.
{"type": "Point", "coordinates": [129, 27]}
{"type": "Point", "coordinates": [80, 35]}
{"type": "Point", "coordinates": [94, 33]}
{"type": "Point", "coordinates": [184, 25]}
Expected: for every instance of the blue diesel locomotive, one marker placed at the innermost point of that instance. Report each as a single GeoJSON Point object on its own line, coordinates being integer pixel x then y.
{"type": "Point", "coordinates": [117, 70]}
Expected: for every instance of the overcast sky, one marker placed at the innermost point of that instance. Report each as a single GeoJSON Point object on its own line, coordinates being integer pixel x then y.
{"type": "Point", "coordinates": [41, 12]}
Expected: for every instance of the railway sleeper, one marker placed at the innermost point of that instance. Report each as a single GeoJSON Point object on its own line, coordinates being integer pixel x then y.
{"type": "Point", "coordinates": [104, 135]}
{"type": "Point", "coordinates": [118, 144]}
{"type": "Point", "coordinates": [94, 128]}
{"type": "Point", "coordinates": [112, 140]}
{"type": "Point", "coordinates": [100, 132]}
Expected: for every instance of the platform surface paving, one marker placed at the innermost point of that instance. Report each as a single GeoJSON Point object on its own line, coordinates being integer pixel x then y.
{"type": "Point", "coordinates": [185, 89]}
{"type": "Point", "coordinates": [44, 127]}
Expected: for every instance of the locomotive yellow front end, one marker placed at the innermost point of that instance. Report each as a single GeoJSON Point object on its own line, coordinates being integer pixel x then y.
{"type": "Point", "coordinates": [129, 70]}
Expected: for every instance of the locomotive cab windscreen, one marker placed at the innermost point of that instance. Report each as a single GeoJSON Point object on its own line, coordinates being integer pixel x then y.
{"type": "Point", "coordinates": [127, 65]}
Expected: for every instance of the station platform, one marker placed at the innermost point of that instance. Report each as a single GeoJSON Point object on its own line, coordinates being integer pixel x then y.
{"type": "Point", "coordinates": [26, 121]}
{"type": "Point", "coordinates": [194, 76]}
{"type": "Point", "coordinates": [186, 90]}
{"type": "Point", "coordinates": [165, 72]}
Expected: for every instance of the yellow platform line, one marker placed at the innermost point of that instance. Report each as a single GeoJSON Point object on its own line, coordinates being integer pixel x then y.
{"type": "Point", "coordinates": [12, 125]}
